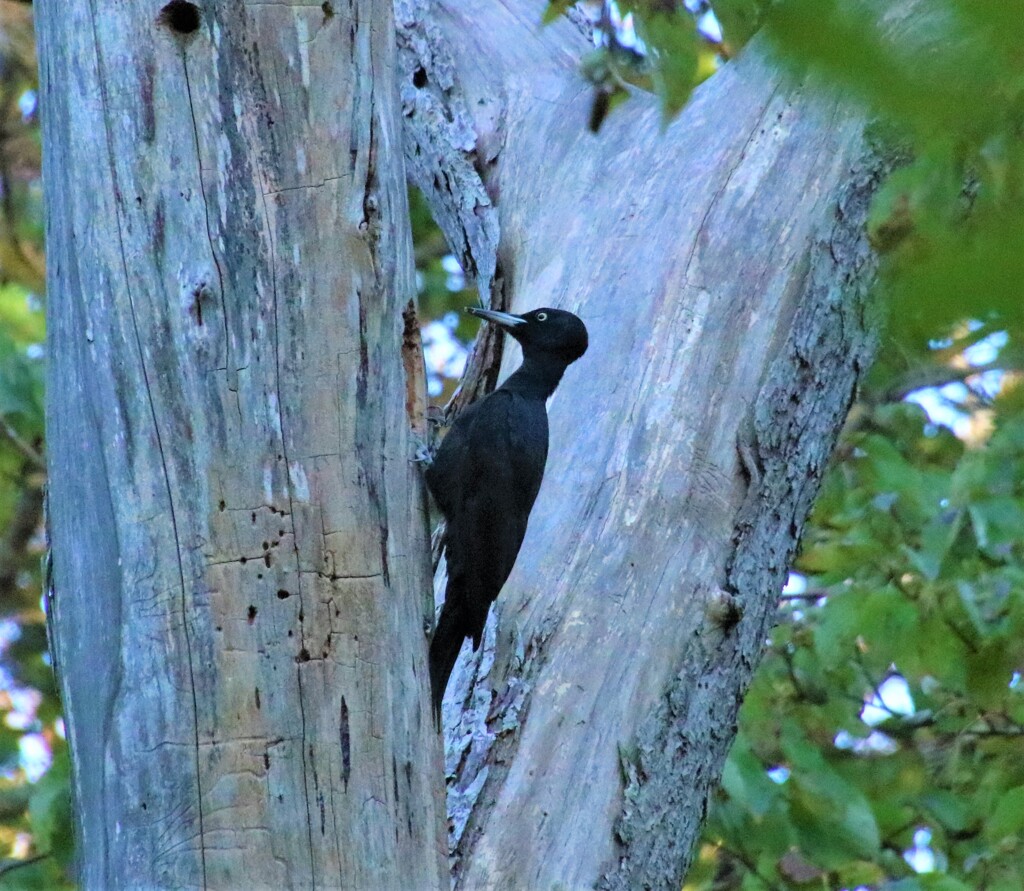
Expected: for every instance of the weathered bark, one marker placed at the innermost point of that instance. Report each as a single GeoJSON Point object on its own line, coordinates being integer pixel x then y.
{"type": "Point", "coordinates": [239, 543]}
{"type": "Point", "coordinates": [240, 562]}
{"type": "Point", "coordinates": [721, 267]}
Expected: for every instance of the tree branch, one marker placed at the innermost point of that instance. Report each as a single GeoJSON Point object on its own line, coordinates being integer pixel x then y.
{"type": "Point", "coordinates": [722, 270]}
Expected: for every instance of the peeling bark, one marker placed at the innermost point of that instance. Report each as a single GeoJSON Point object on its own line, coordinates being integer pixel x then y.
{"type": "Point", "coordinates": [455, 138]}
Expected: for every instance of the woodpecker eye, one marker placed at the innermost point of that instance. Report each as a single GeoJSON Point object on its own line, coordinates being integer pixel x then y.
{"type": "Point", "coordinates": [541, 317]}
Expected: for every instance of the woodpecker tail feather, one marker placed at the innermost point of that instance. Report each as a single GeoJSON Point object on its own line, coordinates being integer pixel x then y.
{"type": "Point", "coordinates": [444, 650]}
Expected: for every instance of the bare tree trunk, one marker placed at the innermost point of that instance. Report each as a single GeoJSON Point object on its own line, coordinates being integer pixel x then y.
{"type": "Point", "coordinates": [240, 569]}
{"type": "Point", "coordinates": [239, 543]}
{"type": "Point", "coordinates": [721, 268]}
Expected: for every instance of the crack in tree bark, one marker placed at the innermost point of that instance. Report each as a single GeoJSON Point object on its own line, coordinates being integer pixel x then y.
{"type": "Point", "coordinates": [112, 163]}
{"type": "Point", "coordinates": [232, 373]}
{"type": "Point", "coordinates": [295, 538]}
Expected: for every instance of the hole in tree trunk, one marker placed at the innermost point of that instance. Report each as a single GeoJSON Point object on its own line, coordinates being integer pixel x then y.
{"type": "Point", "coordinates": [180, 16]}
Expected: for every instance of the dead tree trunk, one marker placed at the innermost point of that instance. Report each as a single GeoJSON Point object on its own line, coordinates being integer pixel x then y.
{"type": "Point", "coordinates": [240, 558]}
{"type": "Point", "coordinates": [239, 546]}
{"type": "Point", "coordinates": [722, 268]}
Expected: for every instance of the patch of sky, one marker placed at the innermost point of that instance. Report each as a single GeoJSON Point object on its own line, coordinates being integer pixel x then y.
{"type": "Point", "coordinates": [941, 404]}
{"type": "Point", "coordinates": [24, 702]}
{"type": "Point", "coordinates": [945, 405]}
{"type": "Point", "coordinates": [796, 584]}
{"type": "Point", "coordinates": [9, 633]}
{"type": "Point", "coordinates": [987, 349]}
{"type": "Point", "coordinates": [709, 26]}
{"type": "Point", "coordinates": [921, 857]}
{"type": "Point", "coordinates": [779, 774]}
{"type": "Point", "coordinates": [443, 353]}
{"type": "Point", "coordinates": [28, 102]}
{"type": "Point", "coordinates": [795, 587]}
{"type": "Point", "coordinates": [35, 756]}
{"type": "Point", "coordinates": [875, 743]}
{"type": "Point", "coordinates": [893, 698]}
{"type": "Point", "coordinates": [456, 280]}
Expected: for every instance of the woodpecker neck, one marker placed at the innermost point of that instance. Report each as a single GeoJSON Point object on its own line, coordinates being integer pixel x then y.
{"type": "Point", "coordinates": [537, 377]}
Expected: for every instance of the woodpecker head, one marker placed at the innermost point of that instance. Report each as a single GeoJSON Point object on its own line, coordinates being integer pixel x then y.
{"type": "Point", "coordinates": [542, 332]}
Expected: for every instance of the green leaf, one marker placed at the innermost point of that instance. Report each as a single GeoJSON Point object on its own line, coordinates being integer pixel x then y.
{"type": "Point", "coordinates": [21, 317]}
{"type": "Point", "coordinates": [938, 882]}
{"type": "Point", "coordinates": [914, 198]}
{"type": "Point", "coordinates": [672, 37]}
{"type": "Point", "coordinates": [952, 811]}
{"type": "Point", "coordinates": [832, 816]}
{"type": "Point", "coordinates": [1007, 819]}
{"type": "Point", "coordinates": [997, 521]}
{"type": "Point", "coordinates": [989, 671]}
{"type": "Point", "coordinates": [747, 783]}
{"type": "Point", "coordinates": [739, 19]}
{"type": "Point", "coordinates": [888, 619]}
{"type": "Point", "coordinates": [840, 624]}
{"type": "Point", "coordinates": [928, 72]}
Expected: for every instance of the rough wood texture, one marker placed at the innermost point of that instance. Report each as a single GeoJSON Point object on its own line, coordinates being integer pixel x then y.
{"type": "Point", "coordinates": [240, 554]}
{"type": "Point", "coordinates": [721, 269]}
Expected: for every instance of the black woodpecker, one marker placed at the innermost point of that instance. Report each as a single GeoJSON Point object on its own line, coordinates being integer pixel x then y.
{"type": "Point", "coordinates": [486, 476]}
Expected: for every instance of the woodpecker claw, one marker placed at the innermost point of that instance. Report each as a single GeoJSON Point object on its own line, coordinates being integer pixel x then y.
{"type": "Point", "coordinates": [425, 451]}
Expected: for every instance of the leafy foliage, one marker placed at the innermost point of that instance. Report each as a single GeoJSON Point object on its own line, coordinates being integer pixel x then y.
{"type": "Point", "coordinates": [740, 20]}
{"type": "Point", "coordinates": [946, 77]}
{"type": "Point", "coordinates": [650, 44]}
{"type": "Point", "coordinates": [879, 743]}
{"type": "Point", "coordinates": [914, 569]}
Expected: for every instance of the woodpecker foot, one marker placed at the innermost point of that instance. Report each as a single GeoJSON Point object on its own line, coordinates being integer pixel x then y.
{"type": "Point", "coordinates": [425, 451]}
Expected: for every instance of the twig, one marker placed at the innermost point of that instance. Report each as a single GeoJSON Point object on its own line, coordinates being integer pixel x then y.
{"type": "Point", "coordinates": [22, 445]}
{"type": "Point", "coordinates": [12, 865]}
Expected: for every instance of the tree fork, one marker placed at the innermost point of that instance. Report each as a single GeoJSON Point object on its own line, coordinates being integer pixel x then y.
{"type": "Point", "coordinates": [722, 269]}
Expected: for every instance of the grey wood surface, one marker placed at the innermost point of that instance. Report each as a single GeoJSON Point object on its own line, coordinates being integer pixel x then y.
{"type": "Point", "coordinates": [721, 267]}
{"type": "Point", "coordinates": [239, 539]}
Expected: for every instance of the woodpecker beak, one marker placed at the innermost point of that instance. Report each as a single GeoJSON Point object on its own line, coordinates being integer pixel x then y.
{"type": "Point", "coordinates": [505, 319]}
